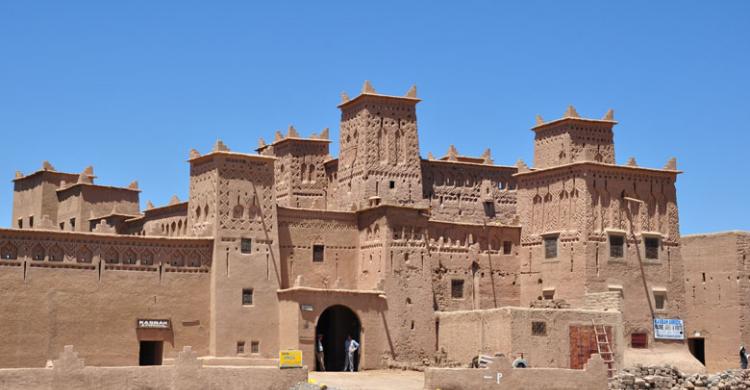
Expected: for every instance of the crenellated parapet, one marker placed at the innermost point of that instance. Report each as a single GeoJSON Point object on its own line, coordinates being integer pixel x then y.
{"type": "Point", "coordinates": [573, 138]}
{"type": "Point", "coordinates": [71, 250]}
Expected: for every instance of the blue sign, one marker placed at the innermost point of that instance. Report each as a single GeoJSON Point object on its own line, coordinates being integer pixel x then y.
{"type": "Point", "coordinates": [668, 329]}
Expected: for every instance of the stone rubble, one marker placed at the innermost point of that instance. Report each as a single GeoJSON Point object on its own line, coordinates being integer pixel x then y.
{"type": "Point", "coordinates": [667, 377]}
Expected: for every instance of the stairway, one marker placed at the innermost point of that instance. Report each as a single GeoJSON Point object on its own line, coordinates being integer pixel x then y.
{"type": "Point", "coordinates": [604, 348]}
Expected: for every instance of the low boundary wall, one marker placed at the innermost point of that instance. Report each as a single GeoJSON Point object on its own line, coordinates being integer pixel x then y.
{"type": "Point", "coordinates": [188, 373]}
{"type": "Point", "coordinates": [501, 375]}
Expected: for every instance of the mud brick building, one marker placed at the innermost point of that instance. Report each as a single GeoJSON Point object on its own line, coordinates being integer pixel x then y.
{"type": "Point", "coordinates": [274, 247]}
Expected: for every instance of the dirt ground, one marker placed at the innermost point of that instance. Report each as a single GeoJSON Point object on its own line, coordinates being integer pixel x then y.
{"type": "Point", "coordinates": [370, 380]}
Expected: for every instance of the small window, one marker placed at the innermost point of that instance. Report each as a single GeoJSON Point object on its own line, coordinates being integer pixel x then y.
{"type": "Point", "coordinates": [72, 224]}
{"type": "Point", "coordinates": [652, 247]}
{"type": "Point", "coordinates": [247, 297]}
{"type": "Point", "coordinates": [255, 347]}
{"type": "Point", "coordinates": [62, 225]}
{"type": "Point", "coordinates": [507, 247]}
{"type": "Point", "coordinates": [246, 245]}
{"type": "Point", "coordinates": [639, 340]}
{"type": "Point", "coordinates": [9, 252]}
{"type": "Point", "coordinates": [550, 247]}
{"type": "Point", "coordinates": [538, 328]}
{"type": "Point", "coordinates": [240, 347]}
{"type": "Point", "coordinates": [318, 252]}
{"type": "Point", "coordinates": [489, 208]}
{"type": "Point", "coordinates": [31, 222]}
{"type": "Point", "coordinates": [616, 246]}
{"type": "Point", "coordinates": [20, 223]}
{"type": "Point", "coordinates": [457, 288]}
{"type": "Point", "coordinates": [56, 253]}
{"type": "Point", "coordinates": [391, 184]}
{"type": "Point", "coordinates": [37, 253]}
{"type": "Point", "coordinates": [548, 294]}
{"type": "Point", "coordinates": [660, 300]}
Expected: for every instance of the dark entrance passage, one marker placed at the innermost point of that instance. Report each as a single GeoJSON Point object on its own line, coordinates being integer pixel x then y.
{"type": "Point", "coordinates": [335, 324]}
{"type": "Point", "coordinates": [150, 353]}
{"type": "Point", "coordinates": [696, 346]}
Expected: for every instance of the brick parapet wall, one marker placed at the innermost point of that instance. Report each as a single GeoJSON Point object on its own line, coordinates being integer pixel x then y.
{"type": "Point", "coordinates": [610, 300]}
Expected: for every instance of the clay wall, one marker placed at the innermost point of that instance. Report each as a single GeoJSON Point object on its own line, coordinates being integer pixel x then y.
{"type": "Point", "coordinates": [377, 340]}
{"type": "Point", "coordinates": [245, 212]}
{"type": "Point", "coordinates": [166, 221]}
{"type": "Point", "coordinates": [716, 287]}
{"type": "Point", "coordinates": [583, 206]}
{"type": "Point", "coordinates": [572, 140]}
{"type": "Point", "coordinates": [407, 282]}
{"type": "Point", "coordinates": [337, 232]}
{"type": "Point", "coordinates": [553, 205]}
{"type": "Point", "coordinates": [372, 258]}
{"type": "Point", "coordinates": [508, 330]}
{"type": "Point", "coordinates": [379, 151]}
{"type": "Point", "coordinates": [332, 185]}
{"type": "Point", "coordinates": [501, 375]}
{"type": "Point", "coordinates": [656, 218]}
{"type": "Point", "coordinates": [90, 289]}
{"type": "Point", "coordinates": [475, 255]}
{"type": "Point", "coordinates": [469, 192]}
{"type": "Point", "coordinates": [35, 196]}
{"type": "Point", "coordinates": [86, 201]}
{"type": "Point", "coordinates": [203, 197]}
{"type": "Point", "coordinates": [300, 171]}
{"type": "Point", "coordinates": [69, 372]}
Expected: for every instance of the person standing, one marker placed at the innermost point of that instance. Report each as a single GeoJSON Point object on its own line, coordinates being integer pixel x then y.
{"type": "Point", "coordinates": [743, 358]}
{"type": "Point", "coordinates": [319, 353]}
{"type": "Point", "coordinates": [350, 347]}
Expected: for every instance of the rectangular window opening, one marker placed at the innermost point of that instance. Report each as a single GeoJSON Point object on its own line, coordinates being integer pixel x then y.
{"type": "Point", "coordinates": [538, 328]}
{"type": "Point", "coordinates": [616, 246]}
{"type": "Point", "coordinates": [489, 209]}
{"type": "Point", "coordinates": [240, 347]}
{"type": "Point", "coordinates": [255, 347]}
{"type": "Point", "coordinates": [652, 248]}
{"type": "Point", "coordinates": [548, 294]}
{"type": "Point", "coordinates": [507, 247]}
{"type": "Point", "coordinates": [246, 245]}
{"type": "Point", "coordinates": [391, 184]}
{"type": "Point", "coordinates": [72, 224]}
{"type": "Point", "coordinates": [457, 288]}
{"type": "Point", "coordinates": [550, 247]}
{"type": "Point", "coordinates": [660, 300]}
{"type": "Point", "coordinates": [20, 223]}
{"type": "Point", "coordinates": [318, 252]}
{"type": "Point", "coordinates": [247, 297]}
{"type": "Point", "coordinates": [31, 222]}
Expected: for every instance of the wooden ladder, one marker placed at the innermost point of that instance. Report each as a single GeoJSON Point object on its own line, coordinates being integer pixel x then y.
{"type": "Point", "coordinates": [604, 348]}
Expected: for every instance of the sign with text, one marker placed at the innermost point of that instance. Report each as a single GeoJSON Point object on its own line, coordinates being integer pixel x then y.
{"type": "Point", "coordinates": [290, 358]}
{"type": "Point", "coordinates": [154, 324]}
{"type": "Point", "coordinates": [668, 329]}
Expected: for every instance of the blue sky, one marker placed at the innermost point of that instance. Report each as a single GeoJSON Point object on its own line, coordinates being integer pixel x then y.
{"type": "Point", "coordinates": [130, 87]}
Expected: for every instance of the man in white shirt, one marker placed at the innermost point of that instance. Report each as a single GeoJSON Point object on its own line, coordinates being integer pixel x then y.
{"type": "Point", "coordinates": [350, 346]}
{"type": "Point", "coordinates": [319, 353]}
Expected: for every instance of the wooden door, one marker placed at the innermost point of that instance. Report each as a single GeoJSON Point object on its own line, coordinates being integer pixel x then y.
{"type": "Point", "coordinates": [583, 344]}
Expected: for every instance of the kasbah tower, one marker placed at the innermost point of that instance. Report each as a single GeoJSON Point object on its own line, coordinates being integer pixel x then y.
{"type": "Point", "coordinates": [413, 257]}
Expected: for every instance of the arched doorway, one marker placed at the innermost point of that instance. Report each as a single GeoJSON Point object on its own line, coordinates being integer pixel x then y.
{"type": "Point", "coordinates": [335, 323]}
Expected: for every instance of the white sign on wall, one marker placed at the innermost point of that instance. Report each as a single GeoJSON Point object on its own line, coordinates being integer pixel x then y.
{"type": "Point", "coordinates": [668, 329]}
{"type": "Point", "coordinates": [154, 324]}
